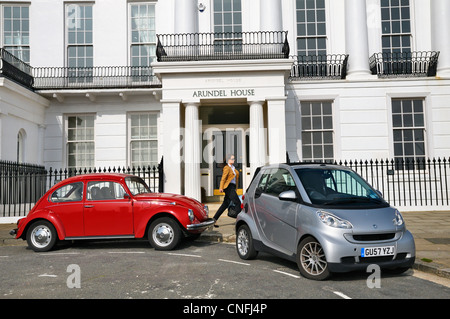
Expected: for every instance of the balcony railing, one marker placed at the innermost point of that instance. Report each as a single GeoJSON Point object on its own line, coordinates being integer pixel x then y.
{"type": "Point", "coordinates": [331, 66]}
{"type": "Point", "coordinates": [42, 78]}
{"type": "Point", "coordinates": [222, 46]}
{"type": "Point", "coordinates": [404, 64]}
{"type": "Point", "coordinates": [15, 69]}
{"type": "Point", "coordinates": [94, 77]}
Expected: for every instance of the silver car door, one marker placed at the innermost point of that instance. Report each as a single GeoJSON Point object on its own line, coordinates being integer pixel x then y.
{"type": "Point", "coordinates": [277, 217]}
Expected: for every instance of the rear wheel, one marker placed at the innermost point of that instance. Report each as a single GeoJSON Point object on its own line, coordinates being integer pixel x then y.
{"type": "Point", "coordinates": [164, 234]}
{"type": "Point", "coordinates": [41, 236]}
{"type": "Point", "coordinates": [244, 243]}
{"type": "Point", "coordinates": [311, 260]}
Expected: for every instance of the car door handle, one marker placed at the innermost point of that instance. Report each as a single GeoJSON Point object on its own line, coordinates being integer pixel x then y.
{"type": "Point", "coordinates": [88, 206]}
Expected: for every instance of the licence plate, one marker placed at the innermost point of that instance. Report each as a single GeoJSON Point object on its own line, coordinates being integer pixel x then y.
{"type": "Point", "coordinates": [378, 251]}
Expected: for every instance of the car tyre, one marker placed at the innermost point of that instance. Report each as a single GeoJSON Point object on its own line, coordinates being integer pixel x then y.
{"type": "Point", "coordinates": [311, 260]}
{"type": "Point", "coordinates": [244, 243]}
{"type": "Point", "coordinates": [41, 236]}
{"type": "Point", "coordinates": [164, 233]}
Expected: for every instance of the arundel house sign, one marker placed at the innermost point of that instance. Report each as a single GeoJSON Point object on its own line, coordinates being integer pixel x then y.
{"type": "Point", "coordinates": [224, 93]}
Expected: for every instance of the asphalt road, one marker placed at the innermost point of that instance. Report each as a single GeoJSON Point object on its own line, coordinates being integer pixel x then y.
{"type": "Point", "coordinates": [196, 271]}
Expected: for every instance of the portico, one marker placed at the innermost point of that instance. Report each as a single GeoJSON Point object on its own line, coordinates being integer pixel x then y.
{"type": "Point", "coordinates": [254, 90]}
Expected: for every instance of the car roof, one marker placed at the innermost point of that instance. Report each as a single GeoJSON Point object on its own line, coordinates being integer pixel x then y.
{"type": "Point", "coordinates": [97, 176]}
{"type": "Point", "coordinates": [315, 165]}
{"type": "Point", "coordinates": [296, 165]}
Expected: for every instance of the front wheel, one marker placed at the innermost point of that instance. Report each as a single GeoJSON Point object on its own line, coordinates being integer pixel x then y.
{"type": "Point", "coordinates": [164, 234]}
{"type": "Point", "coordinates": [41, 236]}
{"type": "Point", "coordinates": [311, 260]}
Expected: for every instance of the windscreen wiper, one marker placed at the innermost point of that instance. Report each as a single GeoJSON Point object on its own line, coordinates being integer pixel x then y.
{"type": "Point", "coordinates": [353, 199]}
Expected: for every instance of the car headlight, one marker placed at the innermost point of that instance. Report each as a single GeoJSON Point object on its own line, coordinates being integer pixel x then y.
{"type": "Point", "coordinates": [333, 221]}
{"type": "Point", "coordinates": [191, 215]}
{"type": "Point", "coordinates": [398, 219]}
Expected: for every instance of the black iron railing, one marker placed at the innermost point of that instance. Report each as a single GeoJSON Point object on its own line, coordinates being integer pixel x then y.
{"type": "Point", "coordinates": [331, 66]}
{"type": "Point", "coordinates": [22, 185]}
{"type": "Point", "coordinates": [407, 183]}
{"type": "Point", "coordinates": [94, 77]}
{"type": "Point", "coordinates": [42, 78]}
{"type": "Point", "coordinates": [15, 69]}
{"type": "Point", "coordinates": [410, 182]}
{"type": "Point", "coordinates": [401, 64]}
{"type": "Point", "coordinates": [222, 46]}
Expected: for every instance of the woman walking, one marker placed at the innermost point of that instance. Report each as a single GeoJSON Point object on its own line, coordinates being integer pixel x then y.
{"type": "Point", "coordinates": [230, 178]}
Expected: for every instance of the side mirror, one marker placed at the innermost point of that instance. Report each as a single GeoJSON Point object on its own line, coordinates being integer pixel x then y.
{"type": "Point", "coordinates": [126, 196]}
{"type": "Point", "coordinates": [288, 196]}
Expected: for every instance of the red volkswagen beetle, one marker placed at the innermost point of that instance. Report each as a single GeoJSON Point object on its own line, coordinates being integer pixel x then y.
{"type": "Point", "coordinates": [111, 206]}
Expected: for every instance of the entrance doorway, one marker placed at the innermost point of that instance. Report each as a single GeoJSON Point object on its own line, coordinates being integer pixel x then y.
{"type": "Point", "coordinates": [225, 131]}
{"type": "Point", "coordinates": [226, 143]}
{"type": "Point", "coordinates": [219, 142]}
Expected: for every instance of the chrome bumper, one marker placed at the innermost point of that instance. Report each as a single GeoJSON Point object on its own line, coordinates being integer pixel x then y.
{"type": "Point", "coordinates": [207, 223]}
{"type": "Point", "coordinates": [13, 232]}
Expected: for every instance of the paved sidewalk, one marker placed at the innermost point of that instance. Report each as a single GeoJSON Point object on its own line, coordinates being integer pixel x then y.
{"type": "Point", "coordinates": [431, 231]}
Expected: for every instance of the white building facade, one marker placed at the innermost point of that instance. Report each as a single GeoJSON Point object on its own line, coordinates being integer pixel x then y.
{"type": "Point", "coordinates": [120, 83]}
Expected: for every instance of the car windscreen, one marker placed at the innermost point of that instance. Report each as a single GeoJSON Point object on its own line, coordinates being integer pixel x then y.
{"type": "Point", "coordinates": [338, 187]}
{"type": "Point", "coordinates": [137, 185]}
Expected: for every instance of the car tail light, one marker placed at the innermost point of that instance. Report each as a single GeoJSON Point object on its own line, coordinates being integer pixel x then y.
{"type": "Point", "coordinates": [242, 202]}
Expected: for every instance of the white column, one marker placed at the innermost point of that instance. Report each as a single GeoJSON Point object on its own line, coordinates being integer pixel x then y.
{"type": "Point", "coordinates": [192, 152]}
{"type": "Point", "coordinates": [257, 138]}
{"type": "Point", "coordinates": [440, 37]}
{"type": "Point", "coordinates": [276, 115]}
{"type": "Point", "coordinates": [356, 39]}
{"type": "Point", "coordinates": [186, 16]}
{"type": "Point", "coordinates": [271, 15]}
{"type": "Point", "coordinates": [171, 133]}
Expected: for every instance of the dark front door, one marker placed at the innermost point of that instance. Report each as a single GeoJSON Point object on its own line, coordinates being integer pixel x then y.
{"type": "Point", "coordinates": [224, 143]}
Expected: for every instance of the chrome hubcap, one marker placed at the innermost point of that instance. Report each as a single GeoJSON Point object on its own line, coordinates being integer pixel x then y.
{"type": "Point", "coordinates": [163, 234]}
{"type": "Point", "coordinates": [41, 236]}
{"type": "Point", "coordinates": [243, 242]}
{"type": "Point", "coordinates": [313, 259]}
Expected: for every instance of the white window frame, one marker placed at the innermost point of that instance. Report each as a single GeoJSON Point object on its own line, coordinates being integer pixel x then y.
{"type": "Point", "coordinates": [227, 44]}
{"type": "Point", "coordinates": [316, 36]}
{"type": "Point", "coordinates": [130, 139]}
{"type": "Point", "coordinates": [148, 43]}
{"type": "Point", "coordinates": [16, 48]}
{"type": "Point", "coordinates": [68, 44]}
{"type": "Point", "coordinates": [67, 142]}
{"type": "Point", "coordinates": [403, 128]}
{"type": "Point", "coordinates": [391, 34]}
{"type": "Point", "coordinates": [322, 130]}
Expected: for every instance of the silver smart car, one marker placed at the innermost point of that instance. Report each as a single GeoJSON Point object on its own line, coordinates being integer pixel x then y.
{"type": "Point", "coordinates": [324, 217]}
